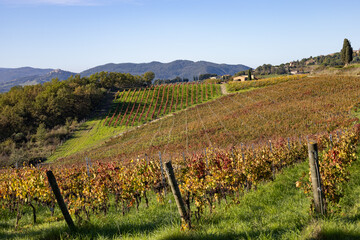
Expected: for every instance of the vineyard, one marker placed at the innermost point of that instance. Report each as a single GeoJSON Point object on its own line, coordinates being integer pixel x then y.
{"type": "Point", "coordinates": [137, 106]}
{"type": "Point", "coordinates": [204, 179]}
{"type": "Point", "coordinates": [294, 108]}
{"type": "Point", "coordinates": [226, 153]}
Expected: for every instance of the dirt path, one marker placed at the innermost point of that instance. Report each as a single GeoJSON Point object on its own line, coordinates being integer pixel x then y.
{"type": "Point", "coordinates": [223, 89]}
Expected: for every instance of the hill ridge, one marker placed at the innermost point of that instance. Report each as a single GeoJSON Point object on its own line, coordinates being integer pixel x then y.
{"type": "Point", "coordinates": [177, 68]}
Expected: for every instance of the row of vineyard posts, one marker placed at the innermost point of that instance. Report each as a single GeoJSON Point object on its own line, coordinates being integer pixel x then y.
{"type": "Point", "coordinates": [201, 179]}
{"type": "Point", "coordinates": [155, 101]}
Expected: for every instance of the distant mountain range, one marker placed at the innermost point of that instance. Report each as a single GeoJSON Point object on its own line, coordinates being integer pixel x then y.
{"type": "Point", "coordinates": [35, 79]}
{"type": "Point", "coordinates": [8, 74]}
{"type": "Point", "coordinates": [10, 77]}
{"type": "Point", "coordinates": [179, 68]}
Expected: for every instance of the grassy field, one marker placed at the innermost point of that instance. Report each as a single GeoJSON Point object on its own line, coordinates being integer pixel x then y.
{"type": "Point", "coordinates": [294, 108]}
{"type": "Point", "coordinates": [276, 210]}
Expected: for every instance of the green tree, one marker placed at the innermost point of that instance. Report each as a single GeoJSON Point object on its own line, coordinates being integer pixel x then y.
{"type": "Point", "coordinates": [41, 133]}
{"type": "Point", "coordinates": [148, 77]}
{"type": "Point", "coordinates": [249, 74]}
{"type": "Point", "coordinates": [346, 52]}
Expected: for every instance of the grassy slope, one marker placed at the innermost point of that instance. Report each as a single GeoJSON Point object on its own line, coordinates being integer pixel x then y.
{"type": "Point", "coordinates": [350, 70]}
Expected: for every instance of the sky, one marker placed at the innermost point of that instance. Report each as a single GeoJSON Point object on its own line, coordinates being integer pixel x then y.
{"type": "Point", "coordinates": [75, 35]}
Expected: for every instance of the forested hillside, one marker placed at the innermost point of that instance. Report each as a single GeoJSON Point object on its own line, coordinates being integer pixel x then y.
{"type": "Point", "coordinates": [34, 119]}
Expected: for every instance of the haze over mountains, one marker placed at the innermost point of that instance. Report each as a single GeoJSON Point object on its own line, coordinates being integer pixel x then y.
{"type": "Point", "coordinates": [10, 77]}
{"type": "Point", "coordinates": [8, 74]}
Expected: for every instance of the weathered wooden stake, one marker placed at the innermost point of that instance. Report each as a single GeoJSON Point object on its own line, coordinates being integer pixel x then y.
{"type": "Point", "coordinates": [242, 152]}
{"type": "Point", "coordinates": [319, 199]}
{"type": "Point", "coordinates": [177, 195]}
{"type": "Point", "coordinates": [206, 159]}
{"type": "Point", "coordinates": [87, 167]}
{"type": "Point", "coordinates": [60, 200]}
{"type": "Point", "coordinates": [272, 163]}
{"type": "Point", "coordinates": [162, 173]}
{"type": "Point", "coordinates": [331, 141]}
{"type": "Point", "coordinates": [288, 140]}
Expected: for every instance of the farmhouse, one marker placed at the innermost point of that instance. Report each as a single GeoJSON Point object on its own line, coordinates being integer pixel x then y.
{"type": "Point", "coordinates": [243, 78]}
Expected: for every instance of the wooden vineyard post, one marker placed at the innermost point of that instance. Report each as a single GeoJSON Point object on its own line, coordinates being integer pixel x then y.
{"type": "Point", "coordinates": [319, 200]}
{"type": "Point", "coordinates": [162, 173]}
{"type": "Point", "coordinates": [177, 195]}
{"type": "Point", "coordinates": [60, 200]}
{"type": "Point", "coordinates": [206, 159]}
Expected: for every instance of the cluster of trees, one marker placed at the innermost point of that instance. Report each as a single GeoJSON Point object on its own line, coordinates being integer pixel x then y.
{"type": "Point", "coordinates": [206, 76]}
{"type": "Point", "coordinates": [267, 69]}
{"type": "Point", "coordinates": [116, 80]}
{"type": "Point", "coordinates": [201, 77]}
{"type": "Point", "coordinates": [170, 81]}
{"type": "Point", "coordinates": [29, 114]}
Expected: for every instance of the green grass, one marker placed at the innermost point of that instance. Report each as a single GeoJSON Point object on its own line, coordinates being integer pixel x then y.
{"type": "Point", "coordinates": [89, 134]}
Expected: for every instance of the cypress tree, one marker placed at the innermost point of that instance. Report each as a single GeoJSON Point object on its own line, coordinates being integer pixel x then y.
{"type": "Point", "coordinates": [346, 52]}
{"type": "Point", "coordinates": [249, 74]}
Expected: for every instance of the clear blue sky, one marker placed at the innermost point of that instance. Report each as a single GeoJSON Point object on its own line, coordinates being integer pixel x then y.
{"type": "Point", "coordinates": [75, 35]}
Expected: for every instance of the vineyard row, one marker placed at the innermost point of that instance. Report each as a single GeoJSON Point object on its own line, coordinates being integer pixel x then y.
{"type": "Point", "coordinates": [136, 106]}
